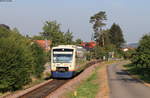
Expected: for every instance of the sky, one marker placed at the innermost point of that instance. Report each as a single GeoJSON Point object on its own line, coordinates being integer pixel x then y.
{"type": "Point", "coordinates": [29, 16]}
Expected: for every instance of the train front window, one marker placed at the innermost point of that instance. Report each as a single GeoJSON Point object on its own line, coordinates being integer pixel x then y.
{"type": "Point", "coordinates": [62, 58]}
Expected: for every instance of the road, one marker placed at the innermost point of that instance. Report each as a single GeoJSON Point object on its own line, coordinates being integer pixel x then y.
{"type": "Point", "coordinates": [123, 86]}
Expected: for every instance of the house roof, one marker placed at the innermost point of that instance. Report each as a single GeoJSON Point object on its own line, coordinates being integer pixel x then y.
{"type": "Point", "coordinates": [91, 44]}
{"type": "Point", "coordinates": [45, 44]}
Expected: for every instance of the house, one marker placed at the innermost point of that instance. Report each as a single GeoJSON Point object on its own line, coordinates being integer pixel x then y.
{"type": "Point", "coordinates": [131, 46]}
{"type": "Point", "coordinates": [125, 49]}
{"type": "Point", "coordinates": [88, 45]}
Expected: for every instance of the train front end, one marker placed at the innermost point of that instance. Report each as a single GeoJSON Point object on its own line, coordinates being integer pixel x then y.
{"type": "Point", "coordinates": [62, 62]}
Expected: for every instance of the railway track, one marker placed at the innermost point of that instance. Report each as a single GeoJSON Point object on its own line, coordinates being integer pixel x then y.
{"type": "Point", "coordinates": [44, 90]}
{"type": "Point", "coordinates": [49, 87]}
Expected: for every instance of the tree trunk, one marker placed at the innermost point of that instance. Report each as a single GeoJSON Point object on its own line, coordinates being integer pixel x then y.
{"type": "Point", "coordinates": [103, 41]}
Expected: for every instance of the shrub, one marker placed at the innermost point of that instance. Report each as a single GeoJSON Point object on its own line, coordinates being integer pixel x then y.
{"type": "Point", "coordinates": [19, 60]}
{"type": "Point", "coordinates": [39, 58]}
{"type": "Point", "coordinates": [98, 52]}
{"type": "Point", "coordinates": [16, 63]}
{"type": "Point", "coordinates": [141, 58]}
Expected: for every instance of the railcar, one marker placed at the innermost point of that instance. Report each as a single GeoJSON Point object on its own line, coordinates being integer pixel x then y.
{"type": "Point", "coordinates": [67, 60]}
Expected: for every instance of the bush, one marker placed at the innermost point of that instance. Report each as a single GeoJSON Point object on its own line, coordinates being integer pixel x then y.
{"type": "Point", "coordinates": [98, 52]}
{"type": "Point", "coordinates": [16, 63]}
{"type": "Point", "coordinates": [141, 57]}
{"type": "Point", "coordinates": [19, 60]}
{"type": "Point", "coordinates": [128, 54]}
{"type": "Point", "coordinates": [4, 32]}
{"type": "Point", "coordinates": [39, 58]}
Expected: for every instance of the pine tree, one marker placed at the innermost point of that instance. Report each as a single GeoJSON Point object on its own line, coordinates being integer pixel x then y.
{"type": "Point", "coordinates": [116, 35]}
{"type": "Point", "coordinates": [98, 23]}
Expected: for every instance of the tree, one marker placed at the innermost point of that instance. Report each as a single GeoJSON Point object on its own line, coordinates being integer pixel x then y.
{"type": "Point", "coordinates": [116, 35]}
{"type": "Point", "coordinates": [68, 37]}
{"type": "Point", "coordinates": [141, 57]}
{"type": "Point", "coordinates": [98, 52]}
{"type": "Point", "coordinates": [51, 31]}
{"type": "Point", "coordinates": [38, 38]}
{"type": "Point", "coordinates": [98, 24]}
{"type": "Point", "coordinates": [106, 37]}
{"type": "Point", "coordinates": [78, 41]}
{"type": "Point", "coordinates": [129, 54]}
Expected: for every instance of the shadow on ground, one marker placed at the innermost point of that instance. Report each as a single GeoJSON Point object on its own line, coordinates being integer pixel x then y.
{"type": "Point", "coordinates": [124, 76]}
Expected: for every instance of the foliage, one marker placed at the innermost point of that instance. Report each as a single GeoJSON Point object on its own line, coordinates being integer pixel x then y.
{"type": "Point", "coordinates": [109, 40]}
{"type": "Point", "coordinates": [128, 54]}
{"type": "Point", "coordinates": [39, 58]}
{"type": "Point", "coordinates": [141, 58]}
{"type": "Point", "coordinates": [68, 37]}
{"type": "Point", "coordinates": [78, 42]}
{"type": "Point", "coordinates": [5, 26]}
{"type": "Point", "coordinates": [51, 31]}
{"type": "Point", "coordinates": [116, 35]}
{"type": "Point", "coordinates": [142, 55]}
{"type": "Point", "coordinates": [97, 21]}
{"type": "Point", "coordinates": [16, 62]}
{"type": "Point", "coordinates": [98, 52]}
{"type": "Point", "coordinates": [19, 60]}
{"type": "Point", "coordinates": [138, 72]}
{"type": "Point", "coordinates": [106, 37]}
{"type": "Point", "coordinates": [38, 38]}
{"type": "Point", "coordinates": [15, 30]}
{"type": "Point", "coordinates": [4, 32]}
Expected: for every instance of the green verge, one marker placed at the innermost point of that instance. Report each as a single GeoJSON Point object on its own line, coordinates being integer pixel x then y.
{"type": "Point", "coordinates": [137, 73]}
{"type": "Point", "coordinates": [88, 88]}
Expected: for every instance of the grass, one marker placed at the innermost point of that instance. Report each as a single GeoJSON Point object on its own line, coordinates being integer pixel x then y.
{"type": "Point", "coordinates": [88, 88]}
{"type": "Point", "coordinates": [137, 72]}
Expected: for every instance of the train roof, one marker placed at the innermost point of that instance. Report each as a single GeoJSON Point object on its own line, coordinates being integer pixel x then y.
{"type": "Point", "coordinates": [65, 46]}
{"type": "Point", "coordinates": [68, 46]}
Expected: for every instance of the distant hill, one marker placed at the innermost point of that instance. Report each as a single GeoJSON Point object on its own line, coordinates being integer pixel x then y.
{"type": "Point", "coordinates": [130, 45]}
{"type": "Point", "coordinates": [133, 45]}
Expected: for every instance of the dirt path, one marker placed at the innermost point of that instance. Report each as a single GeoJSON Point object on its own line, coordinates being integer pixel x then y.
{"type": "Point", "coordinates": [103, 81]}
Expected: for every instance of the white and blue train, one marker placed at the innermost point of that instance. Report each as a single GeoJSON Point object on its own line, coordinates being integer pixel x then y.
{"type": "Point", "coordinates": [67, 60]}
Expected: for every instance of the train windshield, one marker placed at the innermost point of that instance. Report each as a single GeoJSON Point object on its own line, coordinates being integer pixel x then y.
{"type": "Point", "coordinates": [62, 58]}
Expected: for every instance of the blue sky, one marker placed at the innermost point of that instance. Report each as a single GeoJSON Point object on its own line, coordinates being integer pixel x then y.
{"type": "Point", "coordinates": [29, 15]}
